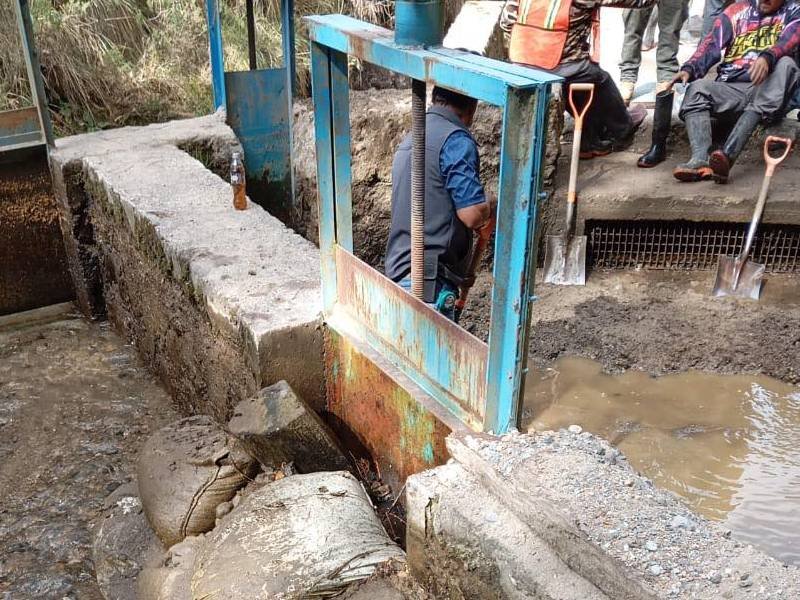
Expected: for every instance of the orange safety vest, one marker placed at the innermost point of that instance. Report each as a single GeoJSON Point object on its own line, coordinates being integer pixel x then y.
{"type": "Point", "coordinates": [539, 35]}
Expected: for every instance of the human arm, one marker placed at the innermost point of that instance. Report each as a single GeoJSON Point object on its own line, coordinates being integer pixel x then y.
{"type": "Point", "coordinates": [787, 45]}
{"type": "Point", "coordinates": [509, 15]}
{"type": "Point", "coordinates": [460, 166]}
{"type": "Point", "coordinates": [709, 50]}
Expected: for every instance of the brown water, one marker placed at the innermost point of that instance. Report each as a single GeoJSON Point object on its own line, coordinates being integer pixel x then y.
{"type": "Point", "coordinates": [728, 444]}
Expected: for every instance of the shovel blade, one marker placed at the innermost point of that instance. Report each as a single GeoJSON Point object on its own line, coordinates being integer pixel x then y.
{"type": "Point", "coordinates": [750, 279]}
{"type": "Point", "coordinates": [565, 260]}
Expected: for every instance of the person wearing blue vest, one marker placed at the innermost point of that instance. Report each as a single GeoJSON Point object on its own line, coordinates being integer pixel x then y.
{"type": "Point", "coordinates": [455, 201]}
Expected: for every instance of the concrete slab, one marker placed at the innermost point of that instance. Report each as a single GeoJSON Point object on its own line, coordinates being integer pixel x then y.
{"type": "Point", "coordinates": [154, 241]}
{"type": "Point", "coordinates": [612, 187]}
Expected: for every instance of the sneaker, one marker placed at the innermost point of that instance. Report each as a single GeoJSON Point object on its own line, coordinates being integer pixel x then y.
{"type": "Point", "coordinates": [720, 166]}
{"type": "Point", "coordinates": [694, 170]}
{"type": "Point", "coordinates": [626, 89]}
{"type": "Point", "coordinates": [595, 148]}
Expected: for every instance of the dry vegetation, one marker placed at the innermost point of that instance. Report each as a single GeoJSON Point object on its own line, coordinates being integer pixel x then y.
{"type": "Point", "coordinates": [108, 63]}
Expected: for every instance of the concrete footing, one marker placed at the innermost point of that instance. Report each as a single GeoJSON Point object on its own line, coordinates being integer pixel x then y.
{"type": "Point", "coordinates": [219, 302]}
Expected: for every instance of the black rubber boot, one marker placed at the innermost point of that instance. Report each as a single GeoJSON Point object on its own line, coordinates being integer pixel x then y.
{"type": "Point", "coordinates": [721, 161]}
{"type": "Point", "coordinates": [698, 128]}
{"type": "Point", "coordinates": [662, 120]}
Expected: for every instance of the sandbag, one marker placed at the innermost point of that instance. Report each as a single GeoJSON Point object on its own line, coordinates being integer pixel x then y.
{"type": "Point", "coordinates": [299, 537]}
{"type": "Point", "coordinates": [184, 471]}
{"type": "Point", "coordinates": [170, 580]}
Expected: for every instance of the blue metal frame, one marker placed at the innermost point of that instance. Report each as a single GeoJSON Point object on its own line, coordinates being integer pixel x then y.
{"type": "Point", "coordinates": [481, 385]}
{"type": "Point", "coordinates": [259, 109]}
{"type": "Point", "coordinates": [30, 126]}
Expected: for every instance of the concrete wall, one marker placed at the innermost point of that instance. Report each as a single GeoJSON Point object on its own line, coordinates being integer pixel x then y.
{"type": "Point", "coordinates": [33, 265]}
{"type": "Point", "coordinates": [218, 302]}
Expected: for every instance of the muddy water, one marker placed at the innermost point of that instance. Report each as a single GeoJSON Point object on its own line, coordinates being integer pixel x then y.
{"type": "Point", "coordinates": [729, 445]}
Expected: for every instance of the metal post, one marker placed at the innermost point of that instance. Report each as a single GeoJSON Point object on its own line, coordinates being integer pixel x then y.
{"type": "Point", "coordinates": [287, 16]}
{"type": "Point", "coordinates": [515, 253]}
{"type": "Point", "coordinates": [251, 35]}
{"type": "Point", "coordinates": [215, 53]}
{"type": "Point", "coordinates": [418, 98]}
{"type": "Point", "coordinates": [34, 68]}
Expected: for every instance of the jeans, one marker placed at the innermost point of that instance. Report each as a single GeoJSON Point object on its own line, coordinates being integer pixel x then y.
{"type": "Point", "coordinates": [711, 10]}
{"type": "Point", "coordinates": [446, 295]}
{"type": "Point", "coordinates": [672, 14]}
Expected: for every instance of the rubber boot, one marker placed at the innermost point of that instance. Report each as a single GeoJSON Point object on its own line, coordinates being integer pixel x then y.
{"type": "Point", "coordinates": [662, 120]}
{"type": "Point", "coordinates": [721, 161]}
{"type": "Point", "coordinates": [698, 127]}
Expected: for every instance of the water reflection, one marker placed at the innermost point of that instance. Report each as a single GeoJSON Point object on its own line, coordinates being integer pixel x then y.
{"type": "Point", "coordinates": [729, 445]}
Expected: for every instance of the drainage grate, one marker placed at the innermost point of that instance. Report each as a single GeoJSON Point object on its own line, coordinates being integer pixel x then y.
{"type": "Point", "coordinates": [685, 245]}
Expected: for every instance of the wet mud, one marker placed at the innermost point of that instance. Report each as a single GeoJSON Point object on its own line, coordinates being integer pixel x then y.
{"type": "Point", "coordinates": [726, 444]}
{"type": "Point", "coordinates": [660, 323]}
{"type": "Point", "coordinates": [75, 405]}
{"type": "Point", "coordinates": [33, 268]}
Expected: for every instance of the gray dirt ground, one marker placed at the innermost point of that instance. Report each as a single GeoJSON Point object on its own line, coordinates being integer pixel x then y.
{"type": "Point", "coordinates": [75, 405]}
{"type": "Point", "coordinates": [661, 322]}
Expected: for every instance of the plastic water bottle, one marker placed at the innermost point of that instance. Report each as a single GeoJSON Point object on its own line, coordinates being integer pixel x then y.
{"type": "Point", "coordinates": [238, 182]}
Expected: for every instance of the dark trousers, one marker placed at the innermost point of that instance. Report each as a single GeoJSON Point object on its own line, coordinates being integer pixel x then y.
{"type": "Point", "coordinates": [719, 99]}
{"type": "Point", "coordinates": [608, 116]}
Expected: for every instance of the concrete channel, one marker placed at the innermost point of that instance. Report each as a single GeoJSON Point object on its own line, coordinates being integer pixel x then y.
{"type": "Point", "coordinates": [219, 305]}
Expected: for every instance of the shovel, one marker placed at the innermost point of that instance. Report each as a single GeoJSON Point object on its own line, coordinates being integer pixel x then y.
{"type": "Point", "coordinates": [565, 255]}
{"type": "Point", "coordinates": [737, 275]}
{"type": "Point", "coordinates": [484, 233]}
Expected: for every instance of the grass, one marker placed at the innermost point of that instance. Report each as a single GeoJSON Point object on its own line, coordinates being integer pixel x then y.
{"type": "Point", "coordinates": [109, 63]}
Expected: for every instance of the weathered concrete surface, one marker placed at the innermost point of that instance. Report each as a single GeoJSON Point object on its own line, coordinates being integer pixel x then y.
{"type": "Point", "coordinates": [612, 187]}
{"type": "Point", "coordinates": [219, 302]}
{"type": "Point", "coordinates": [276, 426]}
{"type": "Point", "coordinates": [33, 266]}
{"type": "Point", "coordinates": [593, 516]}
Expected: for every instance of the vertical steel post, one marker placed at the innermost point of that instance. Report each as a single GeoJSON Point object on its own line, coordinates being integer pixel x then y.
{"type": "Point", "coordinates": [287, 16]}
{"type": "Point", "coordinates": [251, 35]}
{"type": "Point", "coordinates": [326, 175]}
{"type": "Point", "coordinates": [215, 53]}
{"type": "Point", "coordinates": [34, 68]}
{"type": "Point", "coordinates": [523, 138]}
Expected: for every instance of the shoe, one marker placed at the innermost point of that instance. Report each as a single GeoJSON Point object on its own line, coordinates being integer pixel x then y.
{"type": "Point", "coordinates": [595, 148]}
{"type": "Point", "coordinates": [693, 171]}
{"type": "Point", "coordinates": [722, 160]}
{"type": "Point", "coordinates": [626, 89]}
{"type": "Point", "coordinates": [637, 114]}
{"type": "Point", "coordinates": [662, 121]}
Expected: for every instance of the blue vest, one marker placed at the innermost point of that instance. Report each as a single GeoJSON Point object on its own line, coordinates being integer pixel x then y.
{"type": "Point", "coordinates": [447, 239]}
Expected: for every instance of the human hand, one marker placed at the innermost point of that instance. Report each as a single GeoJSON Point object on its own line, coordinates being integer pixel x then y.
{"type": "Point", "coordinates": [759, 71]}
{"type": "Point", "coordinates": [682, 77]}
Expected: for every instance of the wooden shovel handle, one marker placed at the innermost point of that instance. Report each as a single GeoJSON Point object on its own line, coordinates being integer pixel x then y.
{"type": "Point", "coordinates": [774, 161]}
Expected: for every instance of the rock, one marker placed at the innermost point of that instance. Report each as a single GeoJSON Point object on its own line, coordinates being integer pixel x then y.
{"type": "Point", "coordinates": [299, 537]}
{"type": "Point", "coordinates": [171, 579]}
{"type": "Point", "coordinates": [276, 426]}
{"type": "Point", "coordinates": [186, 470]}
{"type": "Point", "coordinates": [651, 546]}
{"type": "Point", "coordinates": [655, 570]}
{"type": "Point", "coordinates": [124, 544]}
{"type": "Point", "coordinates": [576, 429]}
{"type": "Point", "coordinates": [715, 578]}
{"type": "Point", "coordinates": [681, 522]}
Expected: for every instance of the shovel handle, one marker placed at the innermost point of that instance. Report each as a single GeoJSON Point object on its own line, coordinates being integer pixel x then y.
{"type": "Point", "coordinates": [774, 161]}
{"type": "Point", "coordinates": [484, 234]}
{"type": "Point", "coordinates": [576, 141]}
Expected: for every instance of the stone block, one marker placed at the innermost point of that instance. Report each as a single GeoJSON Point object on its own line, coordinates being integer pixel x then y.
{"type": "Point", "coordinates": [276, 426]}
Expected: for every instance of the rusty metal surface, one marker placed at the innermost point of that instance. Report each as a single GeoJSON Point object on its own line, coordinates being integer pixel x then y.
{"type": "Point", "coordinates": [688, 246]}
{"type": "Point", "coordinates": [19, 127]}
{"type": "Point", "coordinates": [399, 430]}
{"type": "Point", "coordinates": [452, 360]}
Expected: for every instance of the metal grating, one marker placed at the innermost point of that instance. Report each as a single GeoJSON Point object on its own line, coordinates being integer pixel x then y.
{"type": "Point", "coordinates": [686, 245]}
